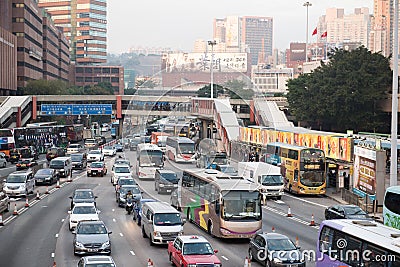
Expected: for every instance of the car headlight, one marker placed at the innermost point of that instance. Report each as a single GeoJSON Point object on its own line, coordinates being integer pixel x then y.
{"type": "Point", "coordinates": [277, 260]}
{"type": "Point", "coordinates": [161, 185]}
{"type": "Point", "coordinates": [175, 185]}
{"type": "Point", "coordinates": [105, 244]}
{"type": "Point", "coordinates": [225, 232]}
{"type": "Point", "coordinates": [217, 265]}
{"type": "Point", "coordinates": [22, 186]}
{"type": "Point", "coordinates": [79, 245]}
{"type": "Point", "coordinates": [157, 234]}
{"type": "Point", "coordinates": [180, 233]}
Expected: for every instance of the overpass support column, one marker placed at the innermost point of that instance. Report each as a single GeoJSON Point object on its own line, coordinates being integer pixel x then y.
{"type": "Point", "coordinates": [19, 118]}
{"type": "Point", "coordinates": [252, 111]}
{"type": "Point", "coordinates": [34, 107]}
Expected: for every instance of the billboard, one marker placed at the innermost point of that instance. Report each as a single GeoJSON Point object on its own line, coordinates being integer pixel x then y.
{"type": "Point", "coordinates": [201, 62]}
{"type": "Point", "coordinates": [364, 170]}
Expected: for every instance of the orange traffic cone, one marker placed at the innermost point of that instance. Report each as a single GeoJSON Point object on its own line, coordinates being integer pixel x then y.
{"type": "Point", "coordinates": [15, 212]}
{"type": "Point", "coordinates": [26, 202]}
{"type": "Point", "coordinates": [1, 219]}
{"type": "Point", "coordinates": [47, 190]}
{"type": "Point", "coordinates": [273, 229]}
{"type": "Point", "coordinates": [297, 241]}
{"type": "Point", "coordinates": [150, 263]}
{"type": "Point", "coordinates": [312, 223]}
{"type": "Point", "coordinates": [289, 212]}
{"type": "Point", "coordinates": [37, 195]}
{"type": "Point", "coordinates": [58, 184]}
{"type": "Point", "coordinates": [54, 264]}
{"type": "Point", "coordinates": [247, 262]}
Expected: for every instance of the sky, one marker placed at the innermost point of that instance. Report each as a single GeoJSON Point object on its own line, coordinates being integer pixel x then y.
{"type": "Point", "coordinates": [176, 24]}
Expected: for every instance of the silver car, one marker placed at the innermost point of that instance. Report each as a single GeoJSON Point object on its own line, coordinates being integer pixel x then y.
{"type": "Point", "coordinates": [19, 183]}
{"type": "Point", "coordinates": [92, 237]}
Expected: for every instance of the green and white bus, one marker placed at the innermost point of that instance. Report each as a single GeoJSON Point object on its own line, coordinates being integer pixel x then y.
{"type": "Point", "coordinates": [391, 207]}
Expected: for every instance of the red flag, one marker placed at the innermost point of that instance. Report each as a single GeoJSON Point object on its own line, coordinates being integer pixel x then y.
{"type": "Point", "coordinates": [324, 34]}
{"type": "Point", "coordinates": [314, 32]}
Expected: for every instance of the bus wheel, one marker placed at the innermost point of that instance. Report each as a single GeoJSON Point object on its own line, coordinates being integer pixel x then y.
{"type": "Point", "coordinates": [210, 228]}
{"type": "Point", "coordinates": [189, 215]}
{"type": "Point", "coordinates": [279, 198]}
{"type": "Point", "coordinates": [290, 189]}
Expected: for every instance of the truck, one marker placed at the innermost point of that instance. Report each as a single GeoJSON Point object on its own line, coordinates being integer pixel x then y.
{"type": "Point", "coordinates": [160, 139]}
{"type": "Point", "coordinates": [267, 176]}
{"type": "Point", "coordinates": [87, 134]}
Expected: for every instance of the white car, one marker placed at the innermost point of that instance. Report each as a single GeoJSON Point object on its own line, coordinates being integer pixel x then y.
{"type": "Point", "coordinates": [119, 171]}
{"type": "Point", "coordinates": [75, 148]}
{"type": "Point", "coordinates": [95, 155]}
{"type": "Point", "coordinates": [109, 151]}
{"type": "Point", "coordinates": [105, 127]}
{"type": "Point", "coordinates": [82, 212]}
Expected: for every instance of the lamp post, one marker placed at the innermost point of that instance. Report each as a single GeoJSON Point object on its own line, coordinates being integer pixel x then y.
{"type": "Point", "coordinates": [212, 43]}
{"type": "Point", "coordinates": [395, 101]}
{"type": "Point", "coordinates": [307, 5]}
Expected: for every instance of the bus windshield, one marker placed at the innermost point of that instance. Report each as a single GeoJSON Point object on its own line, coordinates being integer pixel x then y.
{"type": "Point", "coordinates": [150, 158]}
{"type": "Point", "coordinates": [241, 205]}
{"type": "Point", "coordinates": [271, 180]}
{"type": "Point", "coordinates": [312, 178]}
{"type": "Point", "coordinates": [186, 148]}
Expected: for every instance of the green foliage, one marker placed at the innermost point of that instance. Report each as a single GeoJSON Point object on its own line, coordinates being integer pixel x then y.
{"type": "Point", "coordinates": [205, 91]}
{"type": "Point", "coordinates": [130, 91]}
{"type": "Point", "coordinates": [344, 93]}
{"type": "Point", "coordinates": [236, 90]}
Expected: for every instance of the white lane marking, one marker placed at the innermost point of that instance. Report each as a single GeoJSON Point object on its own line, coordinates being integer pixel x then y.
{"type": "Point", "coordinates": [133, 253]}
{"type": "Point", "coordinates": [121, 234]}
{"type": "Point", "coordinates": [114, 220]}
{"type": "Point", "coordinates": [52, 255]}
{"type": "Point", "coordinates": [306, 201]}
{"type": "Point", "coordinates": [62, 220]}
{"type": "Point", "coordinates": [225, 258]}
{"type": "Point", "coordinates": [279, 202]}
{"type": "Point", "coordinates": [56, 235]}
{"type": "Point", "coordinates": [113, 210]}
{"type": "Point", "coordinates": [291, 218]}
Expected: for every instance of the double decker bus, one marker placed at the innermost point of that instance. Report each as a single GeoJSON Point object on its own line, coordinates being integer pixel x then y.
{"type": "Point", "coordinates": [391, 207]}
{"type": "Point", "coordinates": [180, 149]}
{"type": "Point", "coordinates": [7, 141]}
{"type": "Point", "coordinates": [149, 158]}
{"type": "Point", "coordinates": [223, 206]}
{"type": "Point", "coordinates": [303, 168]}
{"type": "Point", "coordinates": [75, 132]}
{"type": "Point", "coordinates": [357, 243]}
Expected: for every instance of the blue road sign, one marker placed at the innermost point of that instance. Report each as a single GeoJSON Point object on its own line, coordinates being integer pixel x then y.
{"type": "Point", "coordinates": [78, 109]}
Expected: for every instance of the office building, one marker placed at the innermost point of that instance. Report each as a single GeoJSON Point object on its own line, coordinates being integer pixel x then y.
{"type": "Point", "coordinates": [85, 26]}
{"type": "Point", "coordinates": [8, 57]}
{"type": "Point", "coordinates": [271, 81]}
{"type": "Point", "coordinates": [379, 39]}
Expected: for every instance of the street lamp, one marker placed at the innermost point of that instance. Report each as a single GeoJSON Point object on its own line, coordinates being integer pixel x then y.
{"type": "Point", "coordinates": [307, 4]}
{"type": "Point", "coordinates": [212, 43]}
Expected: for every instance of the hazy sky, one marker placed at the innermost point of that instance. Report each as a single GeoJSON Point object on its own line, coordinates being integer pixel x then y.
{"type": "Point", "coordinates": [177, 24]}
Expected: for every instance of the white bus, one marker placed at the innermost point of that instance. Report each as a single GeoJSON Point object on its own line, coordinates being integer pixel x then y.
{"type": "Point", "coordinates": [391, 207]}
{"type": "Point", "coordinates": [149, 158]}
{"type": "Point", "coordinates": [180, 149]}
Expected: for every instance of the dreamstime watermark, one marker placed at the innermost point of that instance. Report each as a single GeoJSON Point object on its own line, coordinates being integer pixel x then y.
{"type": "Point", "coordinates": [341, 254]}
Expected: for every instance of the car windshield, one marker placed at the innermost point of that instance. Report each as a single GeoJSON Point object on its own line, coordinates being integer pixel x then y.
{"type": "Point", "coordinates": [167, 219]}
{"type": "Point", "coordinates": [95, 152]}
{"type": "Point", "coordinates": [76, 157]}
{"type": "Point", "coordinates": [24, 161]}
{"type": "Point", "coordinates": [171, 177]}
{"type": "Point", "coordinates": [134, 190]}
{"type": "Point", "coordinates": [74, 146]}
{"type": "Point", "coordinates": [83, 194]}
{"type": "Point", "coordinates": [272, 180]}
{"type": "Point", "coordinates": [108, 148]}
{"type": "Point", "coordinates": [44, 172]}
{"type": "Point", "coordinates": [91, 229]}
{"type": "Point", "coordinates": [122, 169]}
{"type": "Point", "coordinates": [52, 151]}
{"type": "Point", "coordinates": [197, 249]}
{"type": "Point", "coordinates": [84, 210]}
{"type": "Point", "coordinates": [280, 244]}
{"type": "Point", "coordinates": [57, 163]}
{"type": "Point", "coordinates": [126, 182]}
{"type": "Point", "coordinates": [122, 161]}
{"type": "Point", "coordinates": [96, 165]}
{"type": "Point", "coordinates": [349, 210]}
{"type": "Point", "coordinates": [15, 178]}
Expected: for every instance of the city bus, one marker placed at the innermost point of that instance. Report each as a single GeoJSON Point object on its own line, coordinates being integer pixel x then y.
{"type": "Point", "coordinates": [7, 141]}
{"type": "Point", "coordinates": [180, 149]}
{"type": "Point", "coordinates": [357, 243]}
{"type": "Point", "coordinates": [115, 129]}
{"type": "Point", "coordinates": [303, 168]}
{"type": "Point", "coordinates": [223, 206]}
{"type": "Point", "coordinates": [391, 207]}
{"type": "Point", "coordinates": [149, 158]}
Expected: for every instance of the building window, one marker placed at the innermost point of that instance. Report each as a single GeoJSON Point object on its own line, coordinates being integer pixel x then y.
{"type": "Point", "coordinates": [19, 34]}
{"type": "Point", "coordinates": [114, 79]}
{"type": "Point", "coordinates": [19, 5]}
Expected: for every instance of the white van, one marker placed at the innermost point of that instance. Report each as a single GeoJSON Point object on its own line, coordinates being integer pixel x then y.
{"type": "Point", "coordinates": [161, 222]}
{"type": "Point", "coordinates": [63, 165]}
{"type": "Point", "coordinates": [267, 176]}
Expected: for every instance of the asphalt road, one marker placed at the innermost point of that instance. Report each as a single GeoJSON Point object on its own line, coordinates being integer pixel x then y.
{"type": "Point", "coordinates": [39, 235]}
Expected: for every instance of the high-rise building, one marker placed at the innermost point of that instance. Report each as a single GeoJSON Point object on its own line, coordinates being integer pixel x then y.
{"type": "Point", "coordinates": [379, 39]}
{"type": "Point", "coordinates": [85, 26]}
{"type": "Point", "coordinates": [246, 34]}
{"type": "Point", "coordinates": [342, 28]}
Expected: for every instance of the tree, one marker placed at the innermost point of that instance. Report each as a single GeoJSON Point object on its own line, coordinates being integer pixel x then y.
{"type": "Point", "coordinates": [45, 87]}
{"type": "Point", "coordinates": [236, 90]}
{"type": "Point", "coordinates": [344, 93]}
{"type": "Point", "coordinates": [205, 91]}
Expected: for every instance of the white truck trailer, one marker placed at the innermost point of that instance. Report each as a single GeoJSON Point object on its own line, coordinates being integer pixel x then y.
{"type": "Point", "coordinates": [268, 177]}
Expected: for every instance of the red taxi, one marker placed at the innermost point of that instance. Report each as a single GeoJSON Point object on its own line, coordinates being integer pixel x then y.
{"type": "Point", "coordinates": [96, 168]}
{"type": "Point", "coordinates": [187, 251]}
